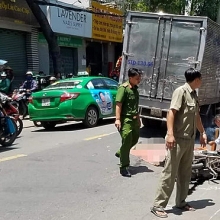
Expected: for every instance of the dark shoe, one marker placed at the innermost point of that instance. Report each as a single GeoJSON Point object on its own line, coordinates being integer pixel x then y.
{"type": "Point", "coordinates": [187, 207]}
{"type": "Point", "coordinates": [124, 172]}
{"type": "Point", "coordinates": [117, 154]}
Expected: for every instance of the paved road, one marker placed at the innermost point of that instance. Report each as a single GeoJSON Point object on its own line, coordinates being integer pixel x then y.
{"type": "Point", "coordinates": [72, 174]}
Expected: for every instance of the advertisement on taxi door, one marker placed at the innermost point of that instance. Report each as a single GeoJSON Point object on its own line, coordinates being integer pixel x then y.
{"type": "Point", "coordinates": [104, 100]}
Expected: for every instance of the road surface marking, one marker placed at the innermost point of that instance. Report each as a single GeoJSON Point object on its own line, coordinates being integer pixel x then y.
{"type": "Point", "coordinates": [214, 214]}
{"type": "Point", "coordinates": [12, 157]}
{"type": "Point", "coordinates": [99, 136]}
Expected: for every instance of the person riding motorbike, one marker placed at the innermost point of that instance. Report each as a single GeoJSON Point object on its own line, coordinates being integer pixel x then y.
{"type": "Point", "coordinates": [69, 75]}
{"type": "Point", "coordinates": [9, 72]}
{"type": "Point", "coordinates": [29, 84]}
{"type": "Point", "coordinates": [52, 80]}
{"type": "Point", "coordinates": [4, 83]}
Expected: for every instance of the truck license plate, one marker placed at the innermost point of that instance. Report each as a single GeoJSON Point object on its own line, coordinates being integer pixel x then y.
{"type": "Point", "coordinates": [157, 112]}
{"type": "Point", "coordinates": [45, 102]}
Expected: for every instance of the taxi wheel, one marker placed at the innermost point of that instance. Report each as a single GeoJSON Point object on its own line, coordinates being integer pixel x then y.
{"type": "Point", "coordinates": [91, 117]}
{"type": "Point", "coordinates": [48, 125]}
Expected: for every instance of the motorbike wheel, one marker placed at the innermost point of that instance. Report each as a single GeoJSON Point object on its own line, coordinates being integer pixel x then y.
{"type": "Point", "coordinates": [49, 125]}
{"type": "Point", "coordinates": [15, 104]}
{"type": "Point", "coordinates": [8, 140]}
{"type": "Point", "coordinates": [37, 123]}
{"type": "Point", "coordinates": [20, 125]}
{"type": "Point", "coordinates": [23, 108]}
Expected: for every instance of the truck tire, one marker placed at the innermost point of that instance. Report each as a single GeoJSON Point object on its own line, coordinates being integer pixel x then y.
{"type": "Point", "coordinates": [151, 123]}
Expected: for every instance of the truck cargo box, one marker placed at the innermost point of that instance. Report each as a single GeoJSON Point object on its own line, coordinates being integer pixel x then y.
{"type": "Point", "coordinates": [164, 46]}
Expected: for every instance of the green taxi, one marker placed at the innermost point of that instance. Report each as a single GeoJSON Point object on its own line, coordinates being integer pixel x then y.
{"type": "Point", "coordinates": [86, 99]}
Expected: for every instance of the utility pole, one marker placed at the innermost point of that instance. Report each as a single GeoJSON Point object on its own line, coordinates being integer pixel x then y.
{"type": "Point", "coordinates": [218, 15]}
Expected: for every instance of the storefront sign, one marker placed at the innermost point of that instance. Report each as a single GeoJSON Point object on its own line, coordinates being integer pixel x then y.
{"type": "Point", "coordinates": [106, 27]}
{"type": "Point", "coordinates": [63, 41]}
{"type": "Point", "coordinates": [70, 22]}
{"type": "Point", "coordinates": [16, 11]}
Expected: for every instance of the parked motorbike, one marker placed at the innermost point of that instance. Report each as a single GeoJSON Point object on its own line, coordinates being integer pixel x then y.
{"type": "Point", "coordinates": [8, 127]}
{"type": "Point", "coordinates": [12, 110]}
{"type": "Point", "coordinates": [20, 99]}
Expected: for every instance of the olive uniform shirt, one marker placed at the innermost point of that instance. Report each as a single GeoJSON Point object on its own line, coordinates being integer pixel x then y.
{"type": "Point", "coordinates": [129, 97]}
{"type": "Point", "coordinates": [185, 101]}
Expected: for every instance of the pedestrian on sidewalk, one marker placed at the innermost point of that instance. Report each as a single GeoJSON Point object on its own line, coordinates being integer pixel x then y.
{"type": "Point", "coordinates": [182, 120]}
{"type": "Point", "coordinates": [127, 118]}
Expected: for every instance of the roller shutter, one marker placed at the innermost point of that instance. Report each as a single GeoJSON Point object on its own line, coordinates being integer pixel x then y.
{"type": "Point", "coordinates": [13, 49]}
{"type": "Point", "coordinates": [69, 59]}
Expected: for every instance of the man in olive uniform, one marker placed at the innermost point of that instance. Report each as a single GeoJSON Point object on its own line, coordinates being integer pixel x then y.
{"type": "Point", "coordinates": [183, 119]}
{"type": "Point", "coordinates": [127, 118]}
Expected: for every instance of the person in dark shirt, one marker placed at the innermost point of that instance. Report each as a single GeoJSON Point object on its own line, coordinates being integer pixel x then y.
{"type": "Point", "coordinates": [29, 84]}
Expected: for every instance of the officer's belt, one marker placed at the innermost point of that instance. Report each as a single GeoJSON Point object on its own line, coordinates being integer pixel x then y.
{"type": "Point", "coordinates": [130, 116]}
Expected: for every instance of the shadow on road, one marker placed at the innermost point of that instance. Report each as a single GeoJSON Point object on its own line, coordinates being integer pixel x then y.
{"type": "Point", "coordinates": [199, 204]}
{"type": "Point", "coordinates": [76, 126]}
{"type": "Point", "coordinates": [152, 132]}
{"type": "Point", "coordinates": [139, 169]}
{"type": "Point", "coordinates": [193, 188]}
{"type": "Point", "coordinates": [5, 149]}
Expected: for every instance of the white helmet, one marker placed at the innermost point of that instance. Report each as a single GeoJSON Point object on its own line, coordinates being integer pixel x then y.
{"type": "Point", "coordinates": [29, 73]}
{"type": "Point", "coordinates": [4, 74]}
{"type": "Point", "coordinates": [52, 78]}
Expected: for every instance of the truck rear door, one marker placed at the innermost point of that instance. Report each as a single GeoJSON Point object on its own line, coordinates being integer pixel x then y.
{"type": "Point", "coordinates": [163, 47]}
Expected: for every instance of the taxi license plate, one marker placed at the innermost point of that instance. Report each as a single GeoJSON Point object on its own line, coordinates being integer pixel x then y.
{"type": "Point", "coordinates": [157, 112]}
{"type": "Point", "coordinates": [45, 102]}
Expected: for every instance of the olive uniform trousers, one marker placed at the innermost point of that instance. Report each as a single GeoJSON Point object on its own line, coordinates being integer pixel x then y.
{"type": "Point", "coordinates": [130, 134]}
{"type": "Point", "coordinates": [178, 165]}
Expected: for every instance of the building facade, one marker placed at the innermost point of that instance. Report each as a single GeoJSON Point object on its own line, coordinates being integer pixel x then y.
{"type": "Point", "coordinates": [86, 38]}
{"type": "Point", "coordinates": [101, 34]}
{"type": "Point", "coordinates": [18, 38]}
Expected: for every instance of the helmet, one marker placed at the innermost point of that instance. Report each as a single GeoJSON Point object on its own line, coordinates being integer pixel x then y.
{"type": "Point", "coordinates": [52, 78]}
{"type": "Point", "coordinates": [7, 68]}
{"type": "Point", "coordinates": [70, 75]}
{"type": "Point", "coordinates": [29, 73]}
{"type": "Point", "coordinates": [4, 74]}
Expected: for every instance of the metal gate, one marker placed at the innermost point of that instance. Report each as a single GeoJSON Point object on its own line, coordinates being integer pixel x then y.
{"type": "Point", "coordinates": [13, 49]}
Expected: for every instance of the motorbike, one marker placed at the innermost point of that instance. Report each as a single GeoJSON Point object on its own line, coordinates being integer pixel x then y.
{"type": "Point", "coordinates": [8, 127]}
{"type": "Point", "coordinates": [115, 74]}
{"type": "Point", "coordinates": [20, 100]}
{"type": "Point", "coordinates": [11, 109]}
{"type": "Point", "coordinates": [206, 165]}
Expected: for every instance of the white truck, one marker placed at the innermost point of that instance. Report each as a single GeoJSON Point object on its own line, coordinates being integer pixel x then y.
{"type": "Point", "coordinates": [164, 46]}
